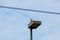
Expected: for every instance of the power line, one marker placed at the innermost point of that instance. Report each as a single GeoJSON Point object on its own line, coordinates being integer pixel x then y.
{"type": "Point", "coordinates": [29, 10]}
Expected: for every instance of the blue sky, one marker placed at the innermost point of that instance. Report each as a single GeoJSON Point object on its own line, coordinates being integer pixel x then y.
{"type": "Point", "coordinates": [14, 23]}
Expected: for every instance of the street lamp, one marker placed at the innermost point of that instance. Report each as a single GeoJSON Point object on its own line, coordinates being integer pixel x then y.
{"type": "Point", "coordinates": [33, 25]}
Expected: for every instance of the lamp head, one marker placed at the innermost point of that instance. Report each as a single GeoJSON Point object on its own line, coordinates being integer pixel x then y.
{"type": "Point", "coordinates": [33, 24]}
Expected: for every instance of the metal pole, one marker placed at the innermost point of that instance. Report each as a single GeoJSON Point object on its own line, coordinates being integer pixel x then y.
{"type": "Point", "coordinates": [31, 34]}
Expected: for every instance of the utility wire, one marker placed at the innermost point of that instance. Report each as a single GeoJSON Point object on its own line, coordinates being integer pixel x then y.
{"type": "Point", "coordinates": [29, 10]}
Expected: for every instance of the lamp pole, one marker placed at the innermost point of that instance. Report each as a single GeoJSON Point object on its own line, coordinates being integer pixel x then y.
{"type": "Point", "coordinates": [31, 34]}
{"type": "Point", "coordinates": [33, 25]}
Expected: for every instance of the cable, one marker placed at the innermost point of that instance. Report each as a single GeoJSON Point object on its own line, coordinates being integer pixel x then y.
{"type": "Point", "coordinates": [29, 10]}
